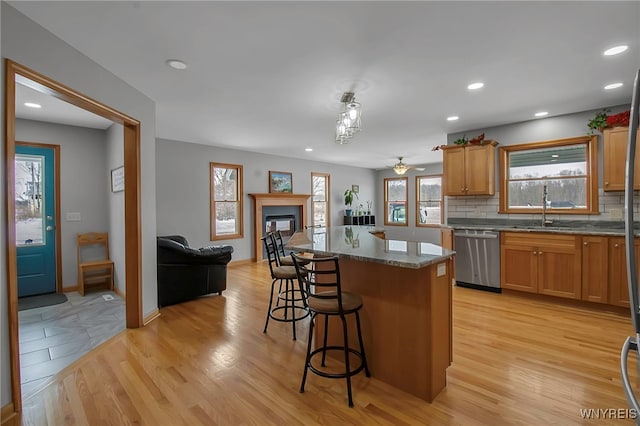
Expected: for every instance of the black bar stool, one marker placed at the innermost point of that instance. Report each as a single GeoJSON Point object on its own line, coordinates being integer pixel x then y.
{"type": "Point", "coordinates": [294, 304]}
{"type": "Point", "coordinates": [320, 280]}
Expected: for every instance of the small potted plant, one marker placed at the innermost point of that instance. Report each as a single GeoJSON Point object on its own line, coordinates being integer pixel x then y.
{"type": "Point", "coordinates": [348, 199]}
{"type": "Point", "coordinates": [598, 122]}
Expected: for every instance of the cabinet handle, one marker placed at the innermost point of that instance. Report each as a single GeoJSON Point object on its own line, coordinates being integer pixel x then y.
{"type": "Point", "coordinates": [466, 189]}
{"type": "Point", "coordinates": [534, 253]}
{"type": "Point", "coordinates": [616, 245]}
{"type": "Point", "coordinates": [585, 243]}
{"type": "Point", "coordinates": [606, 184]}
{"type": "Point", "coordinates": [539, 252]}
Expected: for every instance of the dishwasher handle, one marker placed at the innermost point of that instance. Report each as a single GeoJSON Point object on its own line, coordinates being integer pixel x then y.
{"type": "Point", "coordinates": [479, 236]}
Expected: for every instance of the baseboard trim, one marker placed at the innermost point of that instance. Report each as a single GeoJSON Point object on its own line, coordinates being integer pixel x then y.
{"type": "Point", "coordinates": [153, 315]}
{"type": "Point", "coordinates": [7, 413]}
{"type": "Point", "coordinates": [119, 292]}
{"type": "Point", "coordinates": [241, 262]}
{"type": "Point", "coordinates": [69, 289]}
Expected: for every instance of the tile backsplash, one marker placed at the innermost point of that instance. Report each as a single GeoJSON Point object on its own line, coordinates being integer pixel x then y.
{"type": "Point", "coordinates": [611, 207]}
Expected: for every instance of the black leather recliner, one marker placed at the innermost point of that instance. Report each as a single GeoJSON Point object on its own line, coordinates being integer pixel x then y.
{"type": "Point", "coordinates": [185, 273]}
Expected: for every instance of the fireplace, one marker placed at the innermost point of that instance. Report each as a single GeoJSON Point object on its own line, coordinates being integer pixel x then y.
{"type": "Point", "coordinates": [280, 206]}
{"type": "Point", "coordinates": [286, 224]}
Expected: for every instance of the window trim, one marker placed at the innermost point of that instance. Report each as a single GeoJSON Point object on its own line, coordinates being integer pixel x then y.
{"type": "Point", "coordinates": [429, 225]}
{"type": "Point", "coordinates": [406, 197]}
{"type": "Point", "coordinates": [327, 177]}
{"type": "Point", "coordinates": [212, 203]}
{"type": "Point", "coordinates": [592, 174]}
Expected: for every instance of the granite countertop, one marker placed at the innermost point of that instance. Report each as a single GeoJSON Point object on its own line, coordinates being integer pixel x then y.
{"type": "Point", "coordinates": [582, 227]}
{"type": "Point", "coordinates": [358, 243]}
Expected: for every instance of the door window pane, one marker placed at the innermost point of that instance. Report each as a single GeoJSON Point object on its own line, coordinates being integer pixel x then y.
{"type": "Point", "coordinates": [29, 199]}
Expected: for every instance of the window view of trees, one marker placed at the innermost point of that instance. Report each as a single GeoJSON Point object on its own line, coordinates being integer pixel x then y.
{"type": "Point", "coordinates": [429, 200]}
{"type": "Point", "coordinates": [566, 167]}
{"type": "Point", "coordinates": [320, 200]}
{"type": "Point", "coordinates": [395, 200]}
{"type": "Point", "coordinates": [226, 203]}
{"type": "Point", "coordinates": [29, 200]}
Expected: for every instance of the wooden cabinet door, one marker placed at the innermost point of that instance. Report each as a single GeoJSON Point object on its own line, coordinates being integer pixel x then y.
{"type": "Point", "coordinates": [618, 287]}
{"type": "Point", "coordinates": [453, 171]}
{"type": "Point", "coordinates": [614, 157]}
{"type": "Point", "coordinates": [519, 268]}
{"type": "Point", "coordinates": [595, 269]}
{"type": "Point", "coordinates": [480, 170]}
{"type": "Point", "coordinates": [560, 271]}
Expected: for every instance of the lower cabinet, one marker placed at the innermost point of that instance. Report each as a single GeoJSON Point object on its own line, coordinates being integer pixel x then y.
{"type": "Point", "coordinates": [590, 268]}
{"type": "Point", "coordinates": [595, 261]}
{"type": "Point", "coordinates": [542, 263]}
{"type": "Point", "coordinates": [618, 288]}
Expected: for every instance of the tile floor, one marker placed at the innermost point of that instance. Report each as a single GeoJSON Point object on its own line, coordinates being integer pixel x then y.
{"type": "Point", "coordinates": [53, 337]}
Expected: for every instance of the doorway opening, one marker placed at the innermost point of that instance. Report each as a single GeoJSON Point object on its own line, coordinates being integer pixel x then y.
{"type": "Point", "coordinates": [133, 247]}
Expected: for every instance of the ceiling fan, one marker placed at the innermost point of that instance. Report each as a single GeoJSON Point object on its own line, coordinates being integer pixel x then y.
{"type": "Point", "coordinates": [401, 168]}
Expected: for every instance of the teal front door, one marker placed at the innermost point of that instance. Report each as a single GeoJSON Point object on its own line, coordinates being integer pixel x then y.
{"type": "Point", "coordinates": [35, 222]}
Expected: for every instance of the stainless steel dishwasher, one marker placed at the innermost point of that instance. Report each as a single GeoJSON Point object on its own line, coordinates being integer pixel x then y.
{"type": "Point", "coordinates": [478, 259]}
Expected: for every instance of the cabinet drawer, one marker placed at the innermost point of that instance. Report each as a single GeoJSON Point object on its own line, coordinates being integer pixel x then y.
{"type": "Point", "coordinates": [539, 239]}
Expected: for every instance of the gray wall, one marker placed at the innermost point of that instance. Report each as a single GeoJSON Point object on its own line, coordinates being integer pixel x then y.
{"type": "Point", "coordinates": [560, 127]}
{"type": "Point", "coordinates": [29, 44]}
{"type": "Point", "coordinates": [182, 185]}
{"type": "Point", "coordinates": [411, 231]}
{"type": "Point", "coordinates": [543, 129]}
{"type": "Point", "coordinates": [83, 182]}
{"type": "Point", "coordinates": [114, 159]}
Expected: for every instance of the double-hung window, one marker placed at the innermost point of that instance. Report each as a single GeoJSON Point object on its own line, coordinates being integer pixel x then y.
{"type": "Point", "coordinates": [428, 200]}
{"type": "Point", "coordinates": [320, 199]}
{"type": "Point", "coordinates": [226, 201]}
{"type": "Point", "coordinates": [395, 201]}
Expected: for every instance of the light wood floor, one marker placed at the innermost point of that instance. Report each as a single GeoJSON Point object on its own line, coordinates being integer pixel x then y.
{"type": "Point", "coordinates": [207, 362]}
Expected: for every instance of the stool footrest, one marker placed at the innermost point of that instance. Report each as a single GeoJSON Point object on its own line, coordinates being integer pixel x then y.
{"type": "Point", "coordinates": [286, 314]}
{"type": "Point", "coordinates": [342, 375]}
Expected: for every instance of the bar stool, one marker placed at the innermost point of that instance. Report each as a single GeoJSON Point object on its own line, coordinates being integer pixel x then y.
{"type": "Point", "coordinates": [294, 304]}
{"type": "Point", "coordinates": [283, 259]}
{"type": "Point", "coordinates": [320, 280]}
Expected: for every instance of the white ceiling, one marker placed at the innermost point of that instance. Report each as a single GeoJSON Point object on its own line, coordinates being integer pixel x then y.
{"type": "Point", "coordinates": [268, 76]}
{"type": "Point", "coordinates": [54, 110]}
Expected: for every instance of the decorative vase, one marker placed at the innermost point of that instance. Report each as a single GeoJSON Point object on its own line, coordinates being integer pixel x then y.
{"type": "Point", "coordinates": [348, 212]}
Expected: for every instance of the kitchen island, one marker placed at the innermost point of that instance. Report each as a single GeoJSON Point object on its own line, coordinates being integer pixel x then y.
{"type": "Point", "coordinates": [406, 290]}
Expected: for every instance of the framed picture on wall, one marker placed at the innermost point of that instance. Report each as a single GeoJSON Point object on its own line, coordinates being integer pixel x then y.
{"type": "Point", "coordinates": [117, 179]}
{"type": "Point", "coordinates": [280, 182]}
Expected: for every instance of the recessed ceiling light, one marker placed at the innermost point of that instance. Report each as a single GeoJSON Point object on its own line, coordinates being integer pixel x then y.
{"type": "Point", "coordinates": [177, 64]}
{"type": "Point", "coordinates": [541, 113]}
{"type": "Point", "coordinates": [612, 86]}
{"type": "Point", "coordinates": [453, 118]}
{"type": "Point", "coordinates": [308, 149]}
{"type": "Point", "coordinates": [32, 105]}
{"type": "Point", "coordinates": [615, 50]}
{"type": "Point", "coordinates": [555, 155]}
{"type": "Point", "coordinates": [475, 86]}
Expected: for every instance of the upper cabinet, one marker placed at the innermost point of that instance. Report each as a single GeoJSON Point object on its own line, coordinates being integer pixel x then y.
{"type": "Point", "coordinates": [614, 158]}
{"type": "Point", "coordinates": [469, 169]}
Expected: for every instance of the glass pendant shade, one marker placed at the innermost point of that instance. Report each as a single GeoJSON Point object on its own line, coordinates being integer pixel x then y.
{"type": "Point", "coordinates": [349, 119]}
{"type": "Point", "coordinates": [400, 169]}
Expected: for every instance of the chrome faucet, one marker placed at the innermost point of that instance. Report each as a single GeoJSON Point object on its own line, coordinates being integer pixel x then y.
{"type": "Point", "coordinates": [545, 196]}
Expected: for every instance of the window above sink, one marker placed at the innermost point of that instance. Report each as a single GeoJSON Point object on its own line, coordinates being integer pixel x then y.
{"type": "Point", "coordinates": [568, 167]}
